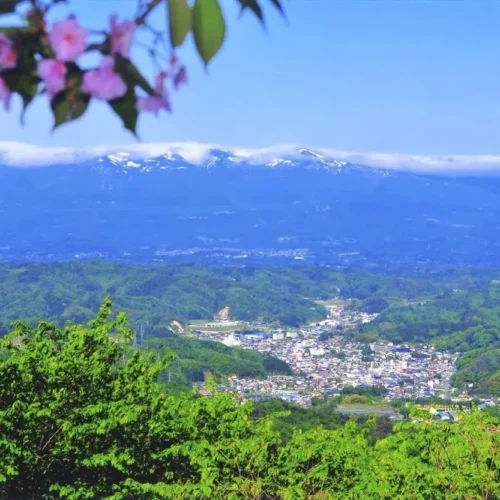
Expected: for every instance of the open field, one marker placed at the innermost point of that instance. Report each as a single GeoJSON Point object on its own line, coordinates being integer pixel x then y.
{"type": "Point", "coordinates": [376, 409]}
{"type": "Point", "coordinates": [330, 302]}
{"type": "Point", "coordinates": [210, 326]}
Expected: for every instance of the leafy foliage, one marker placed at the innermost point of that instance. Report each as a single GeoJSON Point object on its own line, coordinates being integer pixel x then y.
{"type": "Point", "coordinates": [209, 28]}
{"type": "Point", "coordinates": [72, 103]}
{"type": "Point", "coordinates": [82, 415]}
{"type": "Point", "coordinates": [179, 15]}
{"type": "Point", "coordinates": [290, 417]}
{"type": "Point", "coordinates": [195, 358]}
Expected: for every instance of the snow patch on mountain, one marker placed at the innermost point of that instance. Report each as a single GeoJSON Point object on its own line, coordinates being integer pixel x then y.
{"type": "Point", "coordinates": [183, 154]}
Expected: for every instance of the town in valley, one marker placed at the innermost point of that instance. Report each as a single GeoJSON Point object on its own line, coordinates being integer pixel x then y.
{"type": "Point", "coordinates": [325, 359]}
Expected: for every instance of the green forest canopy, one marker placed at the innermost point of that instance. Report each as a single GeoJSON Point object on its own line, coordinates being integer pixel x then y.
{"type": "Point", "coordinates": [156, 294]}
{"type": "Point", "coordinates": [82, 415]}
{"type": "Point", "coordinates": [195, 358]}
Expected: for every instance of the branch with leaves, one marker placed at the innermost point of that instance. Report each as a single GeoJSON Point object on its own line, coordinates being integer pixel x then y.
{"type": "Point", "coordinates": [37, 59]}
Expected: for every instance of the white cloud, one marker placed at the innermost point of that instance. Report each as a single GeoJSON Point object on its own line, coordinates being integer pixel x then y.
{"type": "Point", "coordinates": [19, 154]}
{"type": "Point", "coordinates": [27, 155]}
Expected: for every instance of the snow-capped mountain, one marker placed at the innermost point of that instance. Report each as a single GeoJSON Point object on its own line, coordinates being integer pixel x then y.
{"type": "Point", "coordinates": [235, 205]}
{"type": "Point", "coordinates": [27, 155]}
{"type": "Point", "coordinates": [218, 158]}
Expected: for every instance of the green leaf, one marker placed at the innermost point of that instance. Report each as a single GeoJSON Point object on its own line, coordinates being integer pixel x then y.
{"type": "Point", "coordinates": [254, 6]}
{"type": "Point", "coordinates": [23, 79]}
{"type": "Point", "coordinates": [11, 31]}
{"type": "Point", "coordinates": [23, 83]}
{"type": "Point", "coordinates": [68, 106]}
{"type": "Point", "coordinates": [72, 103]}
{"type": "Point", "coordinates": [27, 44]}
{"type": "Point", "coordinates": [126, 109]}
{"type": "Point", "coordinates": [131, 75]}
{"type": "Point", "coordinates": [8, 6]}
{"type": "Point", "coordinates": [277, 4]}
{"type": "Point", "coordinates": [209, 28]}
{"type": "Point", "coordinates": [179, 18]}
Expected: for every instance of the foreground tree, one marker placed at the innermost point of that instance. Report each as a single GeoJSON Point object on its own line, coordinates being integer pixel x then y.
{"type": "Point", "coordinates": [82, 415]}
{"type": "Point", "coordinates": [38, 58]}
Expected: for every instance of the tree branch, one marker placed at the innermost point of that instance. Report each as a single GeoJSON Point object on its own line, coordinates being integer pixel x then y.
{"type": "Point", "coordinates": [149, 8]}
{"type": "Point", "coordinates": [52, 437]}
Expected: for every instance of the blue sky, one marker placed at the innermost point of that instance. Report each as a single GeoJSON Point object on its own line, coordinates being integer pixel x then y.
{"type": "Point", "coordinates": [406, 76]}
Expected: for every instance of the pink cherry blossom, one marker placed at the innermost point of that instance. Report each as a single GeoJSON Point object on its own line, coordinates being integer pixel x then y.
{"type": "Point", "coordinates": [103, 82]}
{"type": "Point", "coordinates": [8, 56]}
{"type": "Point", "coordinates": [121, 36]}
{"type": "Point", "coordinates": [155, 103]}
{"type": "Point", "coordinates": [53, 74]}
{"type": "Point", "coordinates": [160, 82]}
{"type": "Point", "coordinates": [68, 39]}
{"type": "Point", "coordinates": [5, 94]}
{"type": "Point", "coordinates": [180, 78]}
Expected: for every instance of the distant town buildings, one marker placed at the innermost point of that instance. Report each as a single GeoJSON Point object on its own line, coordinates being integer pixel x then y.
{"type": "Point", "coordinates": [324, 361]}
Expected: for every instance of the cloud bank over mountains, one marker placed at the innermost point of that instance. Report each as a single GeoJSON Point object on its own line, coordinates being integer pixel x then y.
{"type": "Point", "coordinates": [15, 154]}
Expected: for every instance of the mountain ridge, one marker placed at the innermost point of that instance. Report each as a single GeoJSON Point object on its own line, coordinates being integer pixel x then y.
{"type": "Point", "coordinates": [25, 155]}
{"type": "Point", "coordinates": [222, 158]}
{"type": "Point", "coordinates": [228, 210]}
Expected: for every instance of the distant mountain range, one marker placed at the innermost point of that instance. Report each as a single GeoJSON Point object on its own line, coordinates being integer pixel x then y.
{"type": "Point", "coordinates": [302, 157]}
{"type": "Point", "coordinates": [300, 206]}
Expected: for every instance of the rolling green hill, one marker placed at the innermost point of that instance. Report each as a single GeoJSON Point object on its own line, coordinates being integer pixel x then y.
{"type": "Point", "coordinates": [461, 310]}
{"type": "Point", "coordinates": [156, 294]}
{"type": "Point", "coordinates": [462, 321]}
{"type": "Point", "coordinates": [196, 358]}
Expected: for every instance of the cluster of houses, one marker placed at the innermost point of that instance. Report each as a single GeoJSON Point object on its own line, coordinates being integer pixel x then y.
{"type": "Point", "coordinates": [324, 361]}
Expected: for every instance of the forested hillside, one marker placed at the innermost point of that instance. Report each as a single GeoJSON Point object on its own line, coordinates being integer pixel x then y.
{"type": "Point", "coordinates": [464, 321]}
{"type": "Point", "coordinates": [455, 309]}
{"type": "Point", "coordinates": [156, 294]}
{"type": "Point", "coordinates": [197, 358]}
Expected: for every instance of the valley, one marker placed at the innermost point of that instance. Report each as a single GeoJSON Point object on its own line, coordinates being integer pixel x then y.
{"type": "Point", "coordinates": [249, 250]}
{"type": "Point", "coordinates": [324, 361]}
{"type": "Point", "coordinates": [414, 334]}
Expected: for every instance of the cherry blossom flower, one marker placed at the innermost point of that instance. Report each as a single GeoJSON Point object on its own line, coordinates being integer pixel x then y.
{"type": "Point", "coordinates": [53, 74]}
{"type": "Point", "coordinates": [160, 82]}
{"type": "Point", "coordinates": [68, 40]}
{"type": "Point", "coordinates": [121, 36]}
{"type": "Point", "coordinates": [103, 83]}
{"type": "Point", "coordinates": [180, 78]}
{"type": "Point", "coordinates": [8, 56]}
{"type": "Point", "coordinates": [5, 94]}
{"type": "Point", "coordinates": [155, 103]}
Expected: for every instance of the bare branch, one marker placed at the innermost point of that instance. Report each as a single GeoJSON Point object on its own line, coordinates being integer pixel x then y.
{"type": "Point", "coordinates": [149, 8]}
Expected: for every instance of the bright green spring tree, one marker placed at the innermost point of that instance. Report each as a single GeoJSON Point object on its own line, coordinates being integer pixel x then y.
{"type": "Point", "coordinates": [82, 415]}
